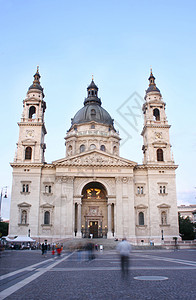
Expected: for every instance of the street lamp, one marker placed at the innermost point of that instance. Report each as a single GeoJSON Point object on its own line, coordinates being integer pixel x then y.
{"type": "Point", "coordinates": [3, 195]}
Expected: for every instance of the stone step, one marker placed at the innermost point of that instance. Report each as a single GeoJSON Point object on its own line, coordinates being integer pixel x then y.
{"type": "Point", "coordinates": [74, 243]}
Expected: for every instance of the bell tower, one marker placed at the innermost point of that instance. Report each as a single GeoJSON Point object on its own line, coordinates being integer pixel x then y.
{"type": "Point", "coordinates": [156, 145]}
{"type": "Point", "coordinates": [31, 146]}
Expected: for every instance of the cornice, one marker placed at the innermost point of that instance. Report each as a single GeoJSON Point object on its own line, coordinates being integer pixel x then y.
{"type": "Point", "coordinates": [31, 124]}
{"type": "Point", "coordinates": [155, 167]}
{"type": "Point", "coordinates": [154, 126]}
{"type": "Point", "coordinates": [27, 165]}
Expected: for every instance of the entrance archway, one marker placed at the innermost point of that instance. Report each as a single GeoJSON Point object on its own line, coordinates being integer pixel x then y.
{"type": "Point", "coordinates": [94, 214]}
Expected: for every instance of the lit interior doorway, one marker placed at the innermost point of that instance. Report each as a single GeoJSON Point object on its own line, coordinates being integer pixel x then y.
{"type": "Point", "coordinates": [94, 210]}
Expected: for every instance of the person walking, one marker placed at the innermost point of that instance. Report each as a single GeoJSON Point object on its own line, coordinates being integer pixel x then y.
{"type": "Point", "coordinates": [43, 248]}
{"type": "Point", "coordinates": [124, 249]}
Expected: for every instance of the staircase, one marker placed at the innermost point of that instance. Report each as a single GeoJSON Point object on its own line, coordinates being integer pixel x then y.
{"type": "Point", "coordinates": [72, 244]}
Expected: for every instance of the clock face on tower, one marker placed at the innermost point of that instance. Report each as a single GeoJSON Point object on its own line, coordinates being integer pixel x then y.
{"type": "Point", "coordinates": [30, 133]}
{"type": "Point", "coordinates": [158, 135]}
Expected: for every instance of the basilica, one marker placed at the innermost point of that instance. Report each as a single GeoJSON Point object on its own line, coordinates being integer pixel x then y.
{"type": "Point", "coordinates": [93, 191]}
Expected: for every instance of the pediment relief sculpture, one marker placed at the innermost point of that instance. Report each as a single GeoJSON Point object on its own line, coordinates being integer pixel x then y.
{"type": "Point", "coordinates": [94, 159]}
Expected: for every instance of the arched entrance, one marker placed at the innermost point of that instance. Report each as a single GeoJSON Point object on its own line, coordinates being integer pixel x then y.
{"type": "Point", "coordinates": [94, 214]}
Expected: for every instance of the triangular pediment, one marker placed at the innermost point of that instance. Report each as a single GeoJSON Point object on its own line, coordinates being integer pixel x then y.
{"type": "Point", "coordinates": [94, 158]}
{"type": "Point", "coordinates": [47, 205]}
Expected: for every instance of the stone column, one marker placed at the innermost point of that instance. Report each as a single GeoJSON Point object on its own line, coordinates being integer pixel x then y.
{"type": "Point", "coordinates": [79, 218]}
{"type": "Point", "coordinates": [109, 234]}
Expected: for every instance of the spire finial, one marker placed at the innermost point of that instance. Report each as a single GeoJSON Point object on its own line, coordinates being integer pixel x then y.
{"type": "Point", "coordinates": [92, 77]}
{"type": "Point", "coordinates": [151, 69]}
{"type": "Point", "coordinates": [37, 69]}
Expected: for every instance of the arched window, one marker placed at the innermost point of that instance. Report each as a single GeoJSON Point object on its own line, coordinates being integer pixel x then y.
{"type": "Point", "coordinates": [159, 155]}
{"type": "Point", "coordinates": [141, 218]}
{"type": "Point", "coordinates": [32, 111]}
{"type": "Point", "coordinates": [102, 148]}
{"type": "Point", "coordinates": [92, 147]}
{"type": "Point", "coordinates": [93, 112]}
{"type": "Point", "coordinates": [115, 150]}
{"type": "Point", "coordinates": [28, 153]}
{"type": "Point", "coordinates": [156, 114]}
{"type": "Point", "coordinates": [24, 217]}
{"type": "Point", "coordinates": [47, 218]}
{"type": "Point", "coordinates": [25, 188]}
{"type": "Point", "coordinates": [82, 148]}
{"type": "Point", "coordinates": [163, 218]}
{"type": "Point", "coordinates": [162, 189]}
{"type": "Point", "coordinates": [69, 152]}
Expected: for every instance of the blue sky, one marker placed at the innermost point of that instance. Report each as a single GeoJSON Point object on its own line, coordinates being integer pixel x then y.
{"type": "Point", "coordinates": [118, 42]}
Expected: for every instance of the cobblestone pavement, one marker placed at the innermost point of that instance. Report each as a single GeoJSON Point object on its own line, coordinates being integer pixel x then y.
{"type": "Point", "coordinates": [29, 275]}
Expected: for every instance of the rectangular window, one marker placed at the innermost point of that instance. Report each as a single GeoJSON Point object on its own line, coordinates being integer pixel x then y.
{"type": "Point", "coordinates": [48, 189]}
{"type": "Point", "coordinates": [162, 189]}
{"type": "Point", "coordinates": [25, 187]}
{"type": "Point", "coordinates": [140, 190]}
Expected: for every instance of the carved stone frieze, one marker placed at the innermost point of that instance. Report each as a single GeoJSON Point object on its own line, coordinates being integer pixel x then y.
{"type": "Point", "coordinates": [95, 159]}
{"type": "Point", "coordinates": [123, 179]}
{"type": "Point", "coordinates": [64, 179]}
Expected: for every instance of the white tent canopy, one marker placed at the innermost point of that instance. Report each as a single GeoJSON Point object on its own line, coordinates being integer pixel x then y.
{"type": "Point", "coordinates": [23, 239]}
{"type": "Point", "coordinates": [7, 238]}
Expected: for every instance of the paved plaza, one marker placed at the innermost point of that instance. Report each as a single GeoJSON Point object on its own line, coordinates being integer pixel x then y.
{"type": "Point", "coordinates": [153, 274]}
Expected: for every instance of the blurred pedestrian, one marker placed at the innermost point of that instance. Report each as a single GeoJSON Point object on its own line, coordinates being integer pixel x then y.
{"type": "Point", "coordinates": [53, 250]}
{"type": "Point", "coordinates": [58, 250]}
{"type": "Point", "coordinates": [124, 249]}
{"type": "Point", "coordinates": [79, 252]}
{"type": "Point", "coordinates": [43, 248]}
{"type": "Point", "coordinates": [90, 248]}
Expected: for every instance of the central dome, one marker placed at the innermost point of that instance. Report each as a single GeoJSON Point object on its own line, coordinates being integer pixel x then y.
{"type": "Point", "coordinates": [92, 110]}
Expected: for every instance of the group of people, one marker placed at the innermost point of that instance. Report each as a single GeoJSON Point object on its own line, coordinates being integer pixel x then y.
{"type": "Point", "coordinates": [58, 248]}
{"type": "Point", "coordinates": [87, 252]}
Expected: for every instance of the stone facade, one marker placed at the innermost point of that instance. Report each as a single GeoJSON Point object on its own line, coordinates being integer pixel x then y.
{"type": "Point", "coordinates": [93, 190]}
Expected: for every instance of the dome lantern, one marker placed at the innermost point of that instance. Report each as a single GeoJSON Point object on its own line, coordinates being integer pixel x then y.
{"type": "Point", "coordinates": [36, 82]}
{"type": "Point", "coordinates": [92, 94]}
{"type": "Point", "coordinates": [152, 85]}
{"type": "Point", "coordinates": [92, 110]}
